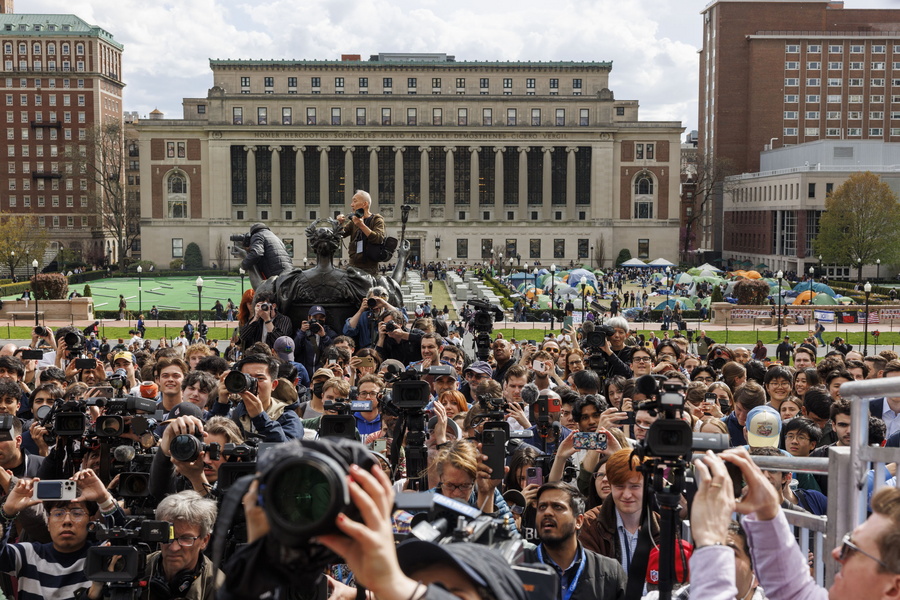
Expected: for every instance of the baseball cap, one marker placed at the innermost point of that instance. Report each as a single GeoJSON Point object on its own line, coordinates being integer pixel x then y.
{"type": "Point", "coordinates": [323, 372]}
{"type": "Point", "coordinates": [763, 427]}
{"type": "Point", "coordinates": [683, 551]}
{"type": "Point", "coordinates": [284, 348]}
{"type": "Point", "coordinates": [123, 355]}
{"type": "Point", "coordinates": [186, 409]}
{"type": "Point", "coordinates": [481, 564]}
{"type": "Point", "coordinates": [316, 310]}
{"type": "Point", "coordinates": [480, 367]}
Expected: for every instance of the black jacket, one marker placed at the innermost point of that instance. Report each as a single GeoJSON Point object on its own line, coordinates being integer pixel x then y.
{"type": "Point", "coordinates": [602, 579]}
{"type": "Point", "coordinates": [267, 253]}
{"type": "Point", "coordinates": [252, 332]}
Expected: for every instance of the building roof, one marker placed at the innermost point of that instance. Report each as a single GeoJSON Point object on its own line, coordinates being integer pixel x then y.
{"type": "Point", "coordinates": [52, 25]}
{"type": "Point", "coordinates": [216, 62]}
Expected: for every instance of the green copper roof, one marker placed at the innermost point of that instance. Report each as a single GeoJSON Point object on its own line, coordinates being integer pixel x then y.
{"type": "Point", "coordinates": [216, 62]}
{"type": "Point", "coordinates": [52, 25]}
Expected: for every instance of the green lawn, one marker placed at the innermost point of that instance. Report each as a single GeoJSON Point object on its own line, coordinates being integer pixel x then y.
{"type": "Point", "coordinates": [121, 331]}
{"type": "Point", "coordinates": [167, 293]}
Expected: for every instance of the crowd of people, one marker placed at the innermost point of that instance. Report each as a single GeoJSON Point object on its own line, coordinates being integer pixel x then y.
{"type": "Point", "coordinates": [576, 509]}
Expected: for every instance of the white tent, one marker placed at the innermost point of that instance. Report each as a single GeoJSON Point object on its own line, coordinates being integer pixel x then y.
{"type": "Point", "coordinates": [633, 262]}
{"type": "Point", "coordinates": [660, 262]}
{"type": "Point", "coordinates": [709, 267]}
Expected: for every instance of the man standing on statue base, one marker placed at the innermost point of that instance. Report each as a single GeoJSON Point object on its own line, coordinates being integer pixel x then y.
{"type": "Point", "coordinates": [364, 229]}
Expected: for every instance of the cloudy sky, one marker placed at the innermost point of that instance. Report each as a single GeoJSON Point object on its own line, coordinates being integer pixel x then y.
{"type": "Point", "coordinates": [652, 43]}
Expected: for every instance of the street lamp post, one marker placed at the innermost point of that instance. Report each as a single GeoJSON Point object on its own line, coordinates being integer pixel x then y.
{"type": "Point", "coordinates": [812, 277]}
{"type": "Point", "coordinates": [34, 265]}
{"type": "Point", "coordinates": [139, 271]}
{"type": "Point", "coordinates": [437, 247]}
{"type": "Point", "coordinates": [552, 296]}
{"type": "Point", "coordinates": [243, 272]}
{"type": "Point", "coordinates": [199, 284]}
{"type": "Point", "coordinates": [668, 285]}
{"type": "Point", "coordinates": [526, 275]}
{"type": "Point", "coordinates": [867, 289]}
{"type": "Point", "coordinates": [877, 269]}
{"type": "Point", "coordinates": [779, 275]}
{"type": "Point", "coordinates": [583, 296]}
{"type": "Point", "coordinates": [858, 270]}
{"type": "Point", "coordinates": [592, 257]}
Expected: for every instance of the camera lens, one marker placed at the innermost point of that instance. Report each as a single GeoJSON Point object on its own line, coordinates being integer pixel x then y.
{"type": "Point", "coordinates": [264, 306]}
{"type": "Point", "coordinates": [303, 495]}
{"type": "Point", "coordinates": [238, 383]}
{"type": "Point", "coordinates": [371, 303]}
{"type": "Point", "coordinates": [185, 448]}
{"type": "Point", "coordinates": [110, 425]}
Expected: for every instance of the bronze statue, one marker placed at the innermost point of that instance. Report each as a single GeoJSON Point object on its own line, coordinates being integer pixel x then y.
{"type": "Point", "coordinates": [340, 291]}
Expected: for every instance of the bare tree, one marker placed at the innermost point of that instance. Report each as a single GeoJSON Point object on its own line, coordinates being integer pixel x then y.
{"type": "Point", "coordinates": [220, 253]}
{"type": "Point", "coordinates": [101, 160]}
{"type": "Point", "coordinates": [707, 178]}
{"type": "Point", "coordinates": [600, 251]}
{"type": "Point", "coordinates": [21, 241]}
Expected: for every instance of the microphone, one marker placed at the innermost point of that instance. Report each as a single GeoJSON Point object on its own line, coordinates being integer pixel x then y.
{"type": "Point", "coordinates": [530, 393]}
{"type": "Point", "coordinates": [647, 386]}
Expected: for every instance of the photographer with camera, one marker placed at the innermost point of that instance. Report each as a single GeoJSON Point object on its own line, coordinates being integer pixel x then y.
{"type": "Point", "coordinates": [312, 338]}
{"type": "Point", "coordinates": [364, 229]}
{"type": "Point", "coordinates": [254, 409]}
{"type": "Point", "coordinates": [394, 341]}
{"type": "Point", "coordinates": [362, 325]}
{"type": "Point", "coordinates": [179, 569]}
{"type": "Point", "coordinates": [194, 462]}
{"type": "Point", "coordinates": [267, 325]}
{"type": "Point", "coordinates": [263, 252]}
{"type": "Point", "coordinates": [54, 570]}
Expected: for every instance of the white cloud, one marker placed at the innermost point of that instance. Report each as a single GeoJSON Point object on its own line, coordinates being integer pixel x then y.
{"type": "Point", "coordinates": [652, 43]}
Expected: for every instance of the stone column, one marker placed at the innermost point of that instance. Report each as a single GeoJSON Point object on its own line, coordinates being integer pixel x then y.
{"type": "Point", "coordinates": [300, 179]}
{"type": "Point", "coordinates": [449, 183]}
{"type": "Point", "coordinates": [570, 181]}
{"type": "Point", "coordinates": [276, 183]}
{"type": "Point", "coordinates": [424, 195]}
{"type": "Point", "coordinates": [251, 182]}
{"type": "Point", "coordinates": [398, 175]}
{"type": "Point", "coordinates": [324, 201]}
{"type": "Point", "coordinates": [473, 176]}
{"type": "Point", "coordinates": [547, 188]}
{"type": "Point", "coordinates": [373, 173]}
{"type": "Point", "coordinates": [498, 176]}
{"type": "Point", "coordinates": [523, 178]}
{"type": "Point", "coordinates": [349, 185]}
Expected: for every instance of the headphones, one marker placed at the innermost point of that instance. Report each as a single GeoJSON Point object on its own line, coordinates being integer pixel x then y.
{"type": "Point", "coordinates": [181, 581]}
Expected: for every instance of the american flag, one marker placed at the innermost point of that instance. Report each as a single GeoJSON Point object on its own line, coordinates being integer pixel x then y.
{"type": "Point", "coordinates": [872, 318]}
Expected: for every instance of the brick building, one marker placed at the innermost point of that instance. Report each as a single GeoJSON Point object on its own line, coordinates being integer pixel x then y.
{"type": "Point", "coordinates": [780, 73]}
{"type": "Point", "coordinates": [61, 76]}
{"type": "Point", "coordinates": [542, 149]}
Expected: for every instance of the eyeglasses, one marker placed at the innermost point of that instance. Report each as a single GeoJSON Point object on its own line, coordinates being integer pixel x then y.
{"type": "Point", "coordinates": [641, 359]}
{"type": "Point", "coordinates": [848, 548]}
{"type": "Point", "coordinates": [576, 362]}
{"type": "Point", "coordinates": [76, 514]}
{"type": "Point", "coordinates": [367, 394]}
{"type": "Point", "coordinates": [453, 487]}
{"type": "Point", "coordinates": [793, 437]}
{"type": "Point", "coordinates": [553, 350]}
{"type": "Point", "coordinates": [185, 541]}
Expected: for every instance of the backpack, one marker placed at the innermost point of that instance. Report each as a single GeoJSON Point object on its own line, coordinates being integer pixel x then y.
{"type": "Point", "coordinates": [382, 252]}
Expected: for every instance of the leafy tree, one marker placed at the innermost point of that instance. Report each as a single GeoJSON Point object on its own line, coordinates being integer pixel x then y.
{"type": "Point", "coordinates": [101, 160]}
{"type": "Point", "coordinates": [716, 295]}
{"type": "Point", "coordinates": [624, 254]}
{"type": "Point", "coordinates": [861, 223]}
{"type": "Point", "coordinates": [87, 291]}
{"type": "Point", "coordinates": [192, 258]}
{"type": "Point", "coordinates": [751, 291]}
{"type": "Point", "coordinates": [176, 263]}
{"type": "Point", "coordinates": [52, 286]}
{"type": "Point", "coordinates": [600, 252]}
{"type": "Point", "coordinates": [21, 241]}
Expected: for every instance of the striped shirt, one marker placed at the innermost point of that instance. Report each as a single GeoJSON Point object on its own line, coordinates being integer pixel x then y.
{"type": "Point", "coordinates": [43, 572]}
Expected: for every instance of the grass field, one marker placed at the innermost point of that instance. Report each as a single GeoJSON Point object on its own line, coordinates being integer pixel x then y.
{"type": "Point", "coordinates": [169, 293]}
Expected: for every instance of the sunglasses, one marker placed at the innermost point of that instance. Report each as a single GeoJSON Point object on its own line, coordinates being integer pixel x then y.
{"type": "Point", "coordinates": [848, 548]}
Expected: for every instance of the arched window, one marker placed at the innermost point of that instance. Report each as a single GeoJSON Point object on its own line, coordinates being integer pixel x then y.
{"type": "Point", "coordinates": [79, 49]}
{"type": "Point", "coordinates": [7, 48]}
{"type": "Point", "coordinates": [23, 48]}
{"type": "Point", "coordinates": [176, 195]}
{"type": "Point", "coordinates": [643, 185]}
{"type": "Point", "coordinates": [65, 48]}
{"type": "Point", "coordinates": [35, 48]}
{"type": "Point", "coordinates": [643, 196]}
{"type": "Point", "coordinates": [51, 48]}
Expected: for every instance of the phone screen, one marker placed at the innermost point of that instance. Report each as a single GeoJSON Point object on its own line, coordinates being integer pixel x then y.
{"type": "Point", "coordinates": [539, 366]}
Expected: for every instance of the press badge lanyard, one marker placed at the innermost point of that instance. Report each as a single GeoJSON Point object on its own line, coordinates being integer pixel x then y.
{"type": "Point", "coordinates": [567, 592]}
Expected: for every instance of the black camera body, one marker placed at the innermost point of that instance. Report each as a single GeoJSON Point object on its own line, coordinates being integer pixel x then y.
{"type": "Point", "coordinates": [359, 213]}
{"type": "Point", "coordinates": [315, 327]}
{"type": "Point", "coordinates": [129, 549]}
